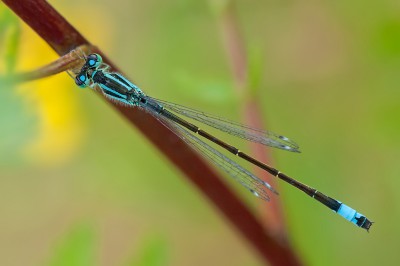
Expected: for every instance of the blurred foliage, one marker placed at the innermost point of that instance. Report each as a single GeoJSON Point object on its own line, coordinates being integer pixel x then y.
{"type": "Point", "coordinates": [204, 89]}
{"type": "Point", "coordinates": [13, 135]}
{"type": "Point", "coordinates": [77, 249]}
{"type": "Point", "coordinates": [388, 39]}
{"type": "Point", "coordinates": [10, 35]}
{"type": "Point", "coordinates": [326, 74]}
{"type": "Point", "coordinates": [255, 70]}
{"type": "Point", "coordinates": [153, 252]}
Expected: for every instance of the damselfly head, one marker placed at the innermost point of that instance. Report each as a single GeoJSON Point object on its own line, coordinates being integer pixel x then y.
{"type": "Point", "coordinates": [93, 61]}
{"type": "Point", "coordinates": [82, 80]}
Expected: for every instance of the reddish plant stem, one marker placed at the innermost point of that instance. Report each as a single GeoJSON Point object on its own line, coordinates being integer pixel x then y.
{"type": "Point", "coordinates": [272, 212]}
{"type": "Point", "coordinates": [62, 37]}
{"type": "Point", "coordinates": [236, 53]}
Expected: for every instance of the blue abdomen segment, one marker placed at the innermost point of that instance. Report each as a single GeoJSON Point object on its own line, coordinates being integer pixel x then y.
{"type": "Point", "coordinates": [353, 216]}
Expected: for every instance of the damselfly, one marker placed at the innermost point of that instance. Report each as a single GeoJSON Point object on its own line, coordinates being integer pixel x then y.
{"type": "Point", "coordinates": [95, 74]}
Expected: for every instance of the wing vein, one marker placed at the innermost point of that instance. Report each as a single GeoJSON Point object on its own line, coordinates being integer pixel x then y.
{"type": "Point", "coordinates": [264, 137]}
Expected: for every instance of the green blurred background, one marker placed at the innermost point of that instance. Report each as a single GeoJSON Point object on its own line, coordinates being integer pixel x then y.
{"type": "Point", "coordinates": [80, 186]}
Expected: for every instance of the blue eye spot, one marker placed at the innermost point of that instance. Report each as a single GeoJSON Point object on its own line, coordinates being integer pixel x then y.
{"type": "Point", "coordinates": [82, 80]}
{"type": "Point", "coordinates": [93, 61]}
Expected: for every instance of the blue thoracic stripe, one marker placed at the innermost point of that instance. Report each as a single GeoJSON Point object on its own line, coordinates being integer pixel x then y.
{"type": "Point", "coordinates": [114, 95]}
{"type": "Point", "coordinates": [123, 81]}
{"type": "Point", "coordinates": [109, 76]}
{"type": "Point", "coordinates": [112, 92]}
{"type": "Point", "coordinates": [133, 86]}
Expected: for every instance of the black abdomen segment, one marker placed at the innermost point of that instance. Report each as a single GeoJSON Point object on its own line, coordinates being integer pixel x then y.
{"type": "Point", "coordinates": [336, 206]}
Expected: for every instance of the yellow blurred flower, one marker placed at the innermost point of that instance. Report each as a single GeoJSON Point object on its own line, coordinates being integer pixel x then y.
{"type": "Point", "coordinates": [53, 101]}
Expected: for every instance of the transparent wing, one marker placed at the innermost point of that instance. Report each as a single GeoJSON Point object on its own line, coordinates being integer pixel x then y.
{"type": "Point", "coordinates": [254, 184]}
{"type": "Point", "coordinates": [267, 138]}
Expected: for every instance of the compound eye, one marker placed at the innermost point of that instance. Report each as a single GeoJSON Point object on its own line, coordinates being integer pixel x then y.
{"type": "Point", "coordinates": [81, 80]}
{"type": "Point", "coordinates": [94, 60]}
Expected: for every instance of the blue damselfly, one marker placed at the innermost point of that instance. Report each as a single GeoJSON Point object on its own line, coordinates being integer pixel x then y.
{"type": "Point", "coordinates": [95, 74]}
